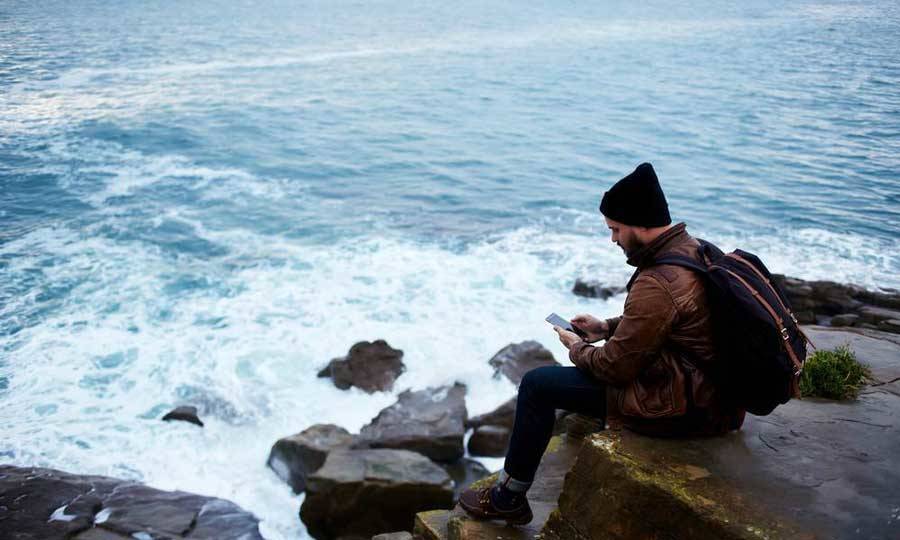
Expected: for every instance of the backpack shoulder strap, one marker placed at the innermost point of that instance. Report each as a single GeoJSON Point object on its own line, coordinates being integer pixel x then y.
{"type": "Point", "coordinates": [707, 251]}
{"type": "Point", "coordinates": [675, 260]}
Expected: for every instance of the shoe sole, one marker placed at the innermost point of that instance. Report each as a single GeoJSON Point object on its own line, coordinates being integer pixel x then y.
{"type": "Point", "coordinates": [510, 521]}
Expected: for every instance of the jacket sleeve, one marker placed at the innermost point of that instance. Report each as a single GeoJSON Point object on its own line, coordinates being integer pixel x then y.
{"type": "Point", "coordinates": [613, 324]}
{"type": "Point", "coordinates": [644, 326]}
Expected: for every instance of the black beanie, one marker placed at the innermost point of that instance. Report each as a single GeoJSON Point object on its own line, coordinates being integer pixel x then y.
{"type": "Point", "coordinates": [637, 200]}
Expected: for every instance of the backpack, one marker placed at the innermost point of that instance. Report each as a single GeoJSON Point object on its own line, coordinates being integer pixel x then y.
{"type": "Point", "coordinates": [759, 345]}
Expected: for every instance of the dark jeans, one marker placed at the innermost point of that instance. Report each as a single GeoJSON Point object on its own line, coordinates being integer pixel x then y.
{"type": "Point", "coordinates": [541, 392]}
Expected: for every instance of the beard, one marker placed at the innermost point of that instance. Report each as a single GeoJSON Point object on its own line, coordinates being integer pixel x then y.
{"type": "Point", "coordinates": [631, 247]}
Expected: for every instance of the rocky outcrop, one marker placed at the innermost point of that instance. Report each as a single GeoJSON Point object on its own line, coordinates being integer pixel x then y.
{"type": "Point", "coordinates": [826, 302]}
{"type": "Point", "coordinates": [361, 493]}
{"type": "Point", "coordinates": [813, 302]}
{"type": "Point", "coordinates": [185, 413]}
{"type": "Point", "coordinates": [490, 441]}
{"type": "Point", "coordinates": [296, 457]}
{"type": "Point", "coordinates": [430, 422]}
{"type": "Point", "coordinates": [595, 289]}
{"type": "Point", "coordinates": [373, 367]}
{"type": "Point", "coordinates": [47, 504]}
{"type": "Point", "coordinates": [517, 359]}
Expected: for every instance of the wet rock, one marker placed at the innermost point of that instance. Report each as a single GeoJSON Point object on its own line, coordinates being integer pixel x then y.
{"type": "Point", "coordinates": [595, 289]}
{"type": "Point", "coordinates": [48, 504]}
{"type": "Point", "coordinates": [184, 413]}
{"type": "Point", "coordinates": [296, 457]}
{"type": "Point", "coordinates": [464, 472]}
{"type": "Point", "coordinates": [489, 441]}
{"type": "Point", "coordinates": [504, 415]}
{"type": "Point", "coordinates": [373, 367]}
{"type": "Point", "coordinates": [430, 421]}
{"type": "Point", "coordinates": [517, 359]}
{"type": "Point", "coordinates": [361, 493]}
{"type": "Point", "coordinates": [210, 403]}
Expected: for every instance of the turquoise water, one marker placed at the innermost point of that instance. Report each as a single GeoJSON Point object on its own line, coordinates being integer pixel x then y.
{"type": "Point", "coordinates": [207, 201]}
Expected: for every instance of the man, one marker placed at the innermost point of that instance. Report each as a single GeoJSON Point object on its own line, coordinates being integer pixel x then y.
{"type": "Point", "coordinates": [651, 375]}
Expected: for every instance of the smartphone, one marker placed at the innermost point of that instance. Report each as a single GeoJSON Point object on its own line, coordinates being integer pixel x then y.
{"type": "Point", "coordinates": [556, 320]}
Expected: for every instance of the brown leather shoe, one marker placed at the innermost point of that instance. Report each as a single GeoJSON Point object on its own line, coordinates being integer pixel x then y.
{"type": "Point", "coordinates": [478, 504]}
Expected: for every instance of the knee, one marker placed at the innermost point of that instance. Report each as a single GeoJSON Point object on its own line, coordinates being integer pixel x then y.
{"type": "Point", "coordinates": [534, 379]}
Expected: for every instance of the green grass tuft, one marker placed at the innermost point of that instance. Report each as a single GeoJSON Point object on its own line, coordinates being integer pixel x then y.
{"type": "Point", "coordinates": [833, 374]}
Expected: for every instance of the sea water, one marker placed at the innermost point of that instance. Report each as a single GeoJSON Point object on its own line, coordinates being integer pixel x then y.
{"type": "Point", "coordinates": [204, 202]}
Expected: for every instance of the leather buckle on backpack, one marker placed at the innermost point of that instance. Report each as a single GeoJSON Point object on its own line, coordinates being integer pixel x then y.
{"type": "Point", "coordinates": [784, 334]}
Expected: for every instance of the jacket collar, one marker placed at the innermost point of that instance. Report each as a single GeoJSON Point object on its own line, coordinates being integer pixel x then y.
{"type": "Point", "coordinates": [644, 256]}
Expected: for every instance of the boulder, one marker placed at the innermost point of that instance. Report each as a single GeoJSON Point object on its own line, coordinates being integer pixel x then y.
{"type": "Point", "coordinates": [504, 415]}
{"type": "Point", "coordinates": [373, 367]}
{"type": "Point", "coordinates": [48, 504]}
{"type": "Point", "coordinates": [595, 289]}
{"type": "Point", "coordinates": [464, 472]}
{"type": "Point", "coordinates": [185, 413]}
{"type": "Point", "coordinates": [430, 421]}
{"type": "Point", "coordinates": [361, 493]}
{"type": "Point", "coordinates": [517, 359]}
{"type": "Point", "coordinates": [296, 457]}
{"type": "Point", "coordinates": [489, 441]}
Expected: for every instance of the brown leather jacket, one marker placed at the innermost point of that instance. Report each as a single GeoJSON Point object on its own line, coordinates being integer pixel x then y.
{"type": "Point", "coordinates": [660, 349]}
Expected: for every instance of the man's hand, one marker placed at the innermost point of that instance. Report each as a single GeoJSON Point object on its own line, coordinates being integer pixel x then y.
{"type": "Point", "coordinates": [567, 338]}
{"type": "Point", "coordinates": [594, 328]}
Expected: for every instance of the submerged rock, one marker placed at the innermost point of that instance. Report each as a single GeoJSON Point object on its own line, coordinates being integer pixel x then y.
{"type": "Point", "coordinates": [430, 421]}
{"type": "Point", "coordinates": [517, 359]}
{"type": "Point", "coordinates": [185, 413]}
{"type": "Point", "coordinates": [361, 493]}
{"type": "Point", "coordinates": [373, 367]}
{"type": "Point", "coordinates": [296, 457]}
{"type": "Point", "coordinates": [47, 504]}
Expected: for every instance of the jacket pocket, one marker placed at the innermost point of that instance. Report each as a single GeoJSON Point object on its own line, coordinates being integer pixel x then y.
{"type": "Point", "coordinates": [657, 393]}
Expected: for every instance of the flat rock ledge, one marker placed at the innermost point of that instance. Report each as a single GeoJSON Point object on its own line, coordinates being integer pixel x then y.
{"type": "Point", "coordinates": [813, 469]}
{"type": "Point", "coordinates": [47, 504]}
{"type": "Point", "coordinates": [361, 493]}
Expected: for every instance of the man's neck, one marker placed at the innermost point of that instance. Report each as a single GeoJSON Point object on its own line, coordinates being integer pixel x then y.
{"type": "Point", "coordinates": [652, 234]}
